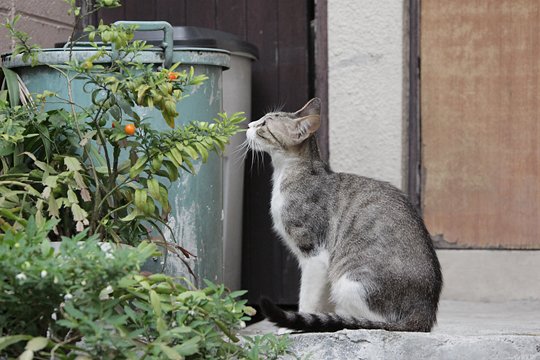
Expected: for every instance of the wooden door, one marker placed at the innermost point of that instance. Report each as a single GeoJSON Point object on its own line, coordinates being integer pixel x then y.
{"type": "Point", "coordinates": [480, 82]}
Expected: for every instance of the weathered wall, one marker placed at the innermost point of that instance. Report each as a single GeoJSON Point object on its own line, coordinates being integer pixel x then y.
{"type": "Point", "coordinates": [47, 21]}
{"type": "Point", "coordinates": [367, 97]}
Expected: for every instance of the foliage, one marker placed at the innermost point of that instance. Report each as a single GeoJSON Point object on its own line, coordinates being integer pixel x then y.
{"type": "Point", "coordinates": [77, 163]}
{"type": "Point", "coordinates": [94, 302]}
{"type": "Point", "coordinates": [22, 43]}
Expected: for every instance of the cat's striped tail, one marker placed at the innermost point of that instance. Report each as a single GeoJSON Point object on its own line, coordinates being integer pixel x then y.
{"type": "Point", "coordinates": [309, 322]}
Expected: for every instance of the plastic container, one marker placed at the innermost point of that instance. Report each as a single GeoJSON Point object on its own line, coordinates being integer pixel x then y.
{"type": "Point", "coordinates": [236, 97]}
{"type": "Point", "coordinates": [197, 201]}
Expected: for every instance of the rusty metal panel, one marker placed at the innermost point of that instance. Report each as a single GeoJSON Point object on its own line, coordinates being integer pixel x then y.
{"type": "Point", "coordinates": [480, 111]}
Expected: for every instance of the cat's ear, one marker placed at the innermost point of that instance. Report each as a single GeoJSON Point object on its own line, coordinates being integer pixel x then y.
{"type": "Point", "coordinates": [305, 126]}
{"type": "Point", "coordinates": [312, 107]}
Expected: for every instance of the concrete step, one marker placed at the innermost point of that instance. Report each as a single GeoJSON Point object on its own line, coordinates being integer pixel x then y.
{"type": "Point", "coordinates": [465, 330]}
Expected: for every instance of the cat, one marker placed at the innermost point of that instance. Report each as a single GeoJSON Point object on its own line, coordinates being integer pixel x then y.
{"type": "Point", "coordinates": [366, 257]}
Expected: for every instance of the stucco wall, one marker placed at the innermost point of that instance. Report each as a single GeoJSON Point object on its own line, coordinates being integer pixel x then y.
{"type": "Point", "coordinates": [47, 22]}
{"type": "Point", "coordinates": [367, 92]}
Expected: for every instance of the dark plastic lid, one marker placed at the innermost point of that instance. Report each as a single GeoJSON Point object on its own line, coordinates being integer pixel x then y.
{"type": "Point", "coordinates": [193, 37]}
{"type": "Point", "coordinates": [198, 37]}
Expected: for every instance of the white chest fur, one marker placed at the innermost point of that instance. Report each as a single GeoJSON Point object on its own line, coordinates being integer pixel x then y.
{"type": "Point", "coordinates": [279, 201]}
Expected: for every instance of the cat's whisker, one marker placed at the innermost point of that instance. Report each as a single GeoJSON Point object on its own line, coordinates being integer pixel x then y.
{"type": "Point", "coordinates": [241, 147]}
{"type": "Point", "coordinates": [278, 107]}
{"type": "Point", "coordinates": [241, 158]}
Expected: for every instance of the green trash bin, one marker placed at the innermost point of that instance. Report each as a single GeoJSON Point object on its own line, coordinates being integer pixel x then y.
{"type": "Point", "coordinates": [197, 201]}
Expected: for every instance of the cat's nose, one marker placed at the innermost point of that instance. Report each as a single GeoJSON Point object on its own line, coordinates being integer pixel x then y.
{"type": "Point", "coordinates": [257, 123]}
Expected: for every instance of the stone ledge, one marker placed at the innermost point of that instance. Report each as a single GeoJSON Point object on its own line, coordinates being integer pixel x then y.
{"type": "Point", "coordinates": [379, 344]}
{"type": "Point", "coordinates": [465, 330]}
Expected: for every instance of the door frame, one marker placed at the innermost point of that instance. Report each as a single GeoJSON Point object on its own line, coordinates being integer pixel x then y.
{"type": "Point", "coordinates": [414, 176]}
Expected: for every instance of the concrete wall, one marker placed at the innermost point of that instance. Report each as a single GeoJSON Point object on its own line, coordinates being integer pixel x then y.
{"type": "Point", "coordinates": [46, 21]}
{"type": "Point", "coordinates": [490, 275]}
{"type": "Point", "coordinates": [367, 96]}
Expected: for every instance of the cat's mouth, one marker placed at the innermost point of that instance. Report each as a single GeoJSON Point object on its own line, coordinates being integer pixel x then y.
{"type": "Point", "coordinates": [252, 139]}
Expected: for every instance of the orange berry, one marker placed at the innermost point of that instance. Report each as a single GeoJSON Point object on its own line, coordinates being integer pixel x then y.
{"type": "Point", "coordinates": [173, 75]}
{"type": "Point", "coordinates": [129, 129]}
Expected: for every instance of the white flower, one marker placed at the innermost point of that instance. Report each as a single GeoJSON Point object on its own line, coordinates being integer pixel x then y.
{"type": "Point", "coordinates": [43, 273]}
{"type": "Point", "coordinates": [109, 256]}
{"type": "Point", "coordinates": [191, 313]}
{"type": "Point", "coordinates": [68, 297]}
{"type": "Point", "coordinates": [83, 283]}
{"type": "Point", "coordinates": [105, 247]}
{"type": "Point", "coordinates": [55, 281]}
{"type": "Point", "coordinates": [53, 316]}
{"type": "Point", "coordinates": [242, 324]}
{"type": "Point", "coordinates": [21, 276]}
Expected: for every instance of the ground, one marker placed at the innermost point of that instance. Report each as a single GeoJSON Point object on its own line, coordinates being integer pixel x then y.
{"type": "Point", "coordinates": [465, 330]}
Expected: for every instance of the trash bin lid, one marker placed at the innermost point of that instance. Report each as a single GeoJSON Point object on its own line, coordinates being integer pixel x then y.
{"type": "Point", "coordinates": [199, 37]}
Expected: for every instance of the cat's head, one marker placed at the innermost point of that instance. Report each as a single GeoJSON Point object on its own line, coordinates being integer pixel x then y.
{"type": "Point", "coordinates": [283, 131]}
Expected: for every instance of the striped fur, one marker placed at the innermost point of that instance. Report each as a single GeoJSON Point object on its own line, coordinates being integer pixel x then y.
{"type": "Point", "coordinates": [364, 251]}
{"type": "Point", "coordinates": [328, 322]}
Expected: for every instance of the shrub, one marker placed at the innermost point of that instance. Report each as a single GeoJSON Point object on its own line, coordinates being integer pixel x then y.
{"type": "Point", "coordinates": [88, 298]}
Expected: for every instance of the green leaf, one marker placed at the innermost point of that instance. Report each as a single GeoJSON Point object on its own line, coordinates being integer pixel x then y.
{"type": "Point", "coordinates": [50, 181]}
{"type": "Point", "coordinates": [202, 150]}
{"type": "Point", "coordinates": [156, 302]}
{"type": "Point", "coordinates": [72, 197]}
{"type": "Point", "coordinates": [37, 343]}
{"type": "Point", "coordinates": [141, 91]}
{"type": "Point", "coordinates": [40, 164]}
{"type": "Point", "coordinates": [153, 189]}
{"type": "Point", "coordinates": [79, 214]}
{"type": "Point", "coordinates": [177, 156]}
{"type": "Point", "coordinates": [12, 85]}
{"type": "Point", "coordinates": [138, 167]}
{"type": "Point", "coordinates": [45, 139]}
{"type": "Point", "coordinates": [124, 105]}
{"type": "Point", "coordinates": [238, 293]}
{"type": "Point", "coordinates": [169, 352]}
{"type": "Point", "coordinates": [10, 340]}
{"type": "Point", "coordinates": [72, 163]}
{"type": "Point", "coordinates": [140, 199]}
{"type": "Point", "coordinates": [190, 168]}
{"type": "Point", "coordinates": [132, 215]}
{"type": "Point", "coordinates": [189, 347]}
{"type": "Point", "coordinates": [172, 169]}
{"type": "Point", "coordinates": [53, 207]}
{"type": "Point", "coordinates": [71, 311]}
{"type": "Point", "coordinates": [169, 119]}
{"type": "Point", "coordinates": [191, 152]}
{"type": "Point", "coordinates": [26, 355]}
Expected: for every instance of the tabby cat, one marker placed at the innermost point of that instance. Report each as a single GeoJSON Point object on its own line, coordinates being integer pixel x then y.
{"type": "Point", "coordinates": [366, 258]}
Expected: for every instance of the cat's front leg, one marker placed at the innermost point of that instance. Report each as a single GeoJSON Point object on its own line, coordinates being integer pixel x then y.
{"type": "Point", "coordinates": [314, 286]}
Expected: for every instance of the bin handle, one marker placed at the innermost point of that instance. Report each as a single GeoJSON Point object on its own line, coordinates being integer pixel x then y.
{"type": "Point", "coordinates": [168, 41]}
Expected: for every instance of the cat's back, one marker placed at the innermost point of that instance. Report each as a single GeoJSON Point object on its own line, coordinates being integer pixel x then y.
{"type": "Point", "coordinates": [369, 196]}
{"type": "Point", "coordinates": [371, 217]}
